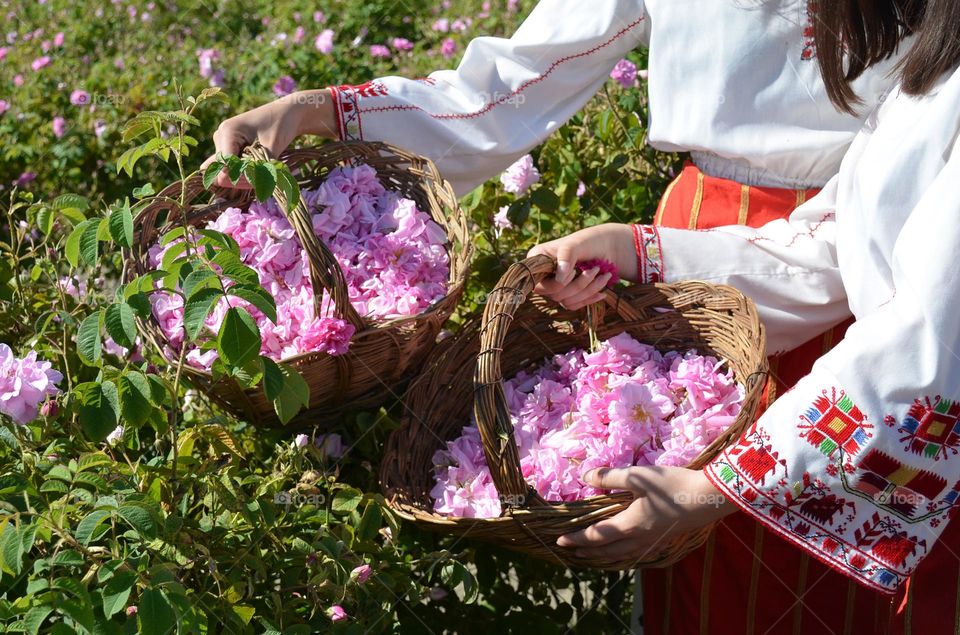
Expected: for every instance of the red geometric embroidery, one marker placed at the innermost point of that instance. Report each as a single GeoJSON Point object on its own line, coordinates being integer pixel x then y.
{"type": "Point", "coordinates": [757, 462]}
{"type": "Point", "coordinates": [897, 486]}
{"type": "Point", "coordinates": [372, 88]}
{"type": "Point", "coordinates": [835, 422]}
{"type": "Point", "coordinates": [809, 44]}
{"type": "Point", "coordinates": [932, 427]}
{"type": "Point", "coordinates": [883, 539]}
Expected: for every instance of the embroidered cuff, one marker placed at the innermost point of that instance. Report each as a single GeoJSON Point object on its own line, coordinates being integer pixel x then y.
{"type": "Point", "coordinates": [646, 241]}
{"type": "Point", "coordinates": [346, 106]}
{"type": "Point", "coordinates": [834, 486]}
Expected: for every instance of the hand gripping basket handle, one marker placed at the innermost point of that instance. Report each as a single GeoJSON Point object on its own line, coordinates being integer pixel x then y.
{"type": "Point", "coordinates": [325, 272]}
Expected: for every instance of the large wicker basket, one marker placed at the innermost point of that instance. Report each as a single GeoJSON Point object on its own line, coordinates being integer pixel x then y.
{"type": "Point", "coordinates": [382, 355]}
{"type": "Point", "coordinates": [517, 332]}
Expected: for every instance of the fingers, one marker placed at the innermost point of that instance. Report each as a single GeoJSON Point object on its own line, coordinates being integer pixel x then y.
{"type": "Point", "coordinates": [626, 478]}
{"type": "Point", "coordinates": [601, 533]}
{"type": "Point", "coordinates": [621, 549]}
{"type": "Point", "coordinates": [227, 140]}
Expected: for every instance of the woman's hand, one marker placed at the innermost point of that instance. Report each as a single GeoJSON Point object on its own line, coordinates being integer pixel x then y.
{"type": "Point", "coordinates": [610, 241]}
{"type": "Point", "coordinates": [275, 125]}
{"type": "Point", "coordinates": [669, 501]}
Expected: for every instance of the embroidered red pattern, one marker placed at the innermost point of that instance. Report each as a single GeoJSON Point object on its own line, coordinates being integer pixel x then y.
{"type": "Point", "coordinates": [646, 240]}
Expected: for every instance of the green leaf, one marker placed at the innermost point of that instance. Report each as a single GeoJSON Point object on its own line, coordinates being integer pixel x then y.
{"type": "Point", "coordinates": [88, 338]}
{"type": "Point", "coordinates": [210, 174]}
{"type": "Point", "coordinates": [346, 500]}
{"type": "Point", "coordinates": [121, 325]}
{"type": "Point", "coordinates": [272, 378]}
{"type": "Point", "coordinates": [35, 618]}
{"type": "Point", "coordinates": [45, 219]}
{"type": "Point", "coordinates": [239, 338]}
{"type": "Point", "coordinates": [289, 186]}
{"type": "Point", "coordinates": [87, 527]}
{"type": "Point", "coordinates": [142, 284]}
{"type": "Point", "coordinates": [121, 226]}
{"type": "Point", "coordinates": [140, 519]}
{"type": "Point", "coordinates": [89, 243]}
{"type": "Point", "coordinates": [234, 168]}
{"type": "Point", "coordinates": [134, 389]}
{"type": "Point", "coordinates": [258, 297]}
{"type": "Point", "coordinates": [231, 267]}
{"type": "Point", "coordinates": [294, 395]}
{"type": "Point", "coordinates": [71, 201]}
{"type": "Point", "coordinates": [197, 309]}
{"type": "Point", "coordinates": [172, 235]}
{"type": "Point", "coordinates": [263, 178]}
{"type": "Point", "coordinates": [11, 548]}
{"type": "Point", "coordinates": [199, 279]}
{"type": "Point", "coordinates": [155, 616]}
{"type": "Point", "coordinates": [117, 591]}
{"type": "Point", "coordinates": [546, 200]}
{"type": "Point", "coordinates": [99, 408]}
{"type": "Point", "coordinates": [72, 248]}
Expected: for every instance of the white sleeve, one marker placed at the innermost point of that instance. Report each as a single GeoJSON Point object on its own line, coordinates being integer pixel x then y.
{"type": "Point", "coordinates": [859, 464]}
{"type": "Point", "coordinates": [506, 96]}
{"type": "Point", "coordinates": [787, 267]}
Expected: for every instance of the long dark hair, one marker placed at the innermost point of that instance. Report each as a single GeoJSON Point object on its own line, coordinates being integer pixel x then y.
{"type": "Point", "coordinates": [853, 35]}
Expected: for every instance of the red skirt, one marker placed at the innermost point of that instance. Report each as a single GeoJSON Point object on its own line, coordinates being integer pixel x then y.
{"type": "Point", "coordinates": [746, 579]}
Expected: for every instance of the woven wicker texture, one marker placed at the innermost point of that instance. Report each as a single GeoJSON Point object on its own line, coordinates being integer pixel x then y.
{"type": "Point", "coordinates": [382, 355]}
{"type": "Point", "coordinates": [517, 330]}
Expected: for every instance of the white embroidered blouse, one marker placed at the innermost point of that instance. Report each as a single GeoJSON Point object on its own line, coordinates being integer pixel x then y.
{"type": "Point", "coordinates": [858, 463]}
{"type": "Point", "coordinates": [734, 81]}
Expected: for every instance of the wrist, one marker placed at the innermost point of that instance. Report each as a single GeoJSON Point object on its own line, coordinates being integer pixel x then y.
{"type": "Point", "coordinates": [313, 112]}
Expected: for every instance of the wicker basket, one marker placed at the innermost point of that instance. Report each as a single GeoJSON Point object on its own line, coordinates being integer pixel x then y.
{"type": "Point", "coordinates": [382, 355]}
{"type": "Point", "coordinates": [516, 334]}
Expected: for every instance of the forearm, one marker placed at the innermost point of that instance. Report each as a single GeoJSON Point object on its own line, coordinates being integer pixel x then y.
{"type": "Point", "coordinates": [313, 111]}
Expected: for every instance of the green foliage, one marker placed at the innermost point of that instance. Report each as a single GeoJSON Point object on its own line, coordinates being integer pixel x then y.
{"type": "Point", "coordinates": [141, 494]}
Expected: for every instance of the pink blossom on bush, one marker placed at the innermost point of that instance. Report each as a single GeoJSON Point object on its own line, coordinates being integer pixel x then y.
{"type": "Point", "coordinates": [25, 384]}
{"type": "Point", "coordinates": [448, 48]}
{"type": "Point", "coordinates": [3, 53]}
{"type": "Point", "coordinates": [336, 613]}
{"type": "Point", "coordinates": [401, 44]}
{"type": "Point", "coordinates": [301, 441]}
{"type": "Point", "coordinates": [625, 404]}
{"type": "Point", "coordinates": [40, 62]}
{"type": "Point", "coordinates": [4, 106]}
{"type": "Point", "coordinates": [284, 86]}
{"type": "Point", "coordinates": [324, 41]}
{"type": "Point", "coordinates": [442, 25]}
{"type": "Point", "coordinates": [330, 445]}
{"type": "Point", "coordinates": [25, 178]}
{"type": "Point", "coordinates": [79, 97]}
{"type": "Point", "coordinates": [500, 219]}
{"type": "Point", "coordinates": [379, 50]}
{"type": "Point", "coordinates": [99, 128]}
{"type": "Point", "coordinates": [625, 73]}
{"type": "Point", "coordinates": [362, 573]}
{"type": "Point", "coordinates": [115, 436]}
{"type": "Point", "coordinates": [518, 178]}
{"type": "Point", "coordinates": [18, 80]}
{"type": "Point", "coordinates": [206, 58]}
{"type": "Point", "coordinates": [59, 126]}
{"type": "Point", "coordinates": [318, 16]}
{"type": "Point", "coordinates": [58, 39]}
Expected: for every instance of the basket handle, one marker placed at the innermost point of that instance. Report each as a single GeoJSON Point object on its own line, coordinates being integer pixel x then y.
{"type": "Point", "coordinates": [490, 403]}
{"type": "Point", "coordinates": [325, 272]}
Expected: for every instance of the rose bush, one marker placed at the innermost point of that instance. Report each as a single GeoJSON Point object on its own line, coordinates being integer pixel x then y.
{"type": "Point", "coordinates": [128, 501]}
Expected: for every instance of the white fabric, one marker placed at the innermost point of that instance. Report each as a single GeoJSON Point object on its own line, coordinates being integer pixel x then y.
{"type": "Point", "coordinates": [733, 79]}
{"type": "Point", "coordinates": [858, 463]}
